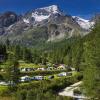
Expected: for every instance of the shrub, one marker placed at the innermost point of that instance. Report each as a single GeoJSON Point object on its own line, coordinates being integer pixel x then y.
{"type": "Point", "coordinates": [21, 95]}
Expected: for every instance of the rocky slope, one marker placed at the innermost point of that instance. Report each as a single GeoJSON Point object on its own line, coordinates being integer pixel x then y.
{"type": "Point", "coordinates": [40, 25]}
{"type": "Point", "coordinates": [85, 24]}
{"type": "Point", "coordinates": [7, 19]}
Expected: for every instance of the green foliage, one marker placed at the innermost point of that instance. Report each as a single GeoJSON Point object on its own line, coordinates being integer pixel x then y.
{"type": "Point", "coordinates": [27, 55]}
{"type": "Point", "coordinates": [92, 63]}
{"type": "Point", "coordinates": [22, 95]}
{"type": "Point", "coordinates": [3, 53]}
{"type": "Point", "coordinates": [12, 72]}
{"type": "Point", "coordinates": [43, 90]}
{"type": "Point", "coordinates": [17, 52]}
{"type": "Point", "coordinates": [81, 53]}
{"type": "Point", "coordinates": [4, 91]}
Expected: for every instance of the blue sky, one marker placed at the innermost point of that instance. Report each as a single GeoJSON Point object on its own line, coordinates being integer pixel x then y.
{"type": "Point", "coordinates": [83, 8]}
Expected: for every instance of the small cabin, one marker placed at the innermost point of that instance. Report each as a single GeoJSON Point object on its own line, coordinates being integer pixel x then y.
{"type": "Point", "coordinates": [26, 69]}
{"type": "Point", "coordinates": [61, 67]}
{"type": "Point", "coordinates": [51, 68]}
{"type": "Point", "coordinates": [73, 69]}
{"type": "Point", "coordinates": [42, 69]}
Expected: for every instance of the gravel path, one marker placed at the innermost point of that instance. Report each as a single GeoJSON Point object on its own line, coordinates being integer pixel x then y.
{"type": "Point", "coordinates": [68, 91]}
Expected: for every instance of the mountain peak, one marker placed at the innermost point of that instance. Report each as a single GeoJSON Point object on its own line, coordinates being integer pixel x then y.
{"type": "Point", "coordinates": [41, 14]}
{"type": "Point", "coordinates": [85, 24]}
{"type": "Point", "coordinates": [42, 24]}
{"type": "Point", "coordinates": [79, 18]}
{"type": "Point", "coordinates": [52, 8]}
{"type": "Point", "coordinates": [8, 18]}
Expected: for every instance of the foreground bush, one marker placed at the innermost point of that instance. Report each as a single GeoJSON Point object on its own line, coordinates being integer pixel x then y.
{"type": "Point", "coordinates": [44, 90]}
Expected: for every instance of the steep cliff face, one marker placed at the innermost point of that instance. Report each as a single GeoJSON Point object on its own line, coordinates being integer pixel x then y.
{"type": "Point", "coordinates": [7, 19]}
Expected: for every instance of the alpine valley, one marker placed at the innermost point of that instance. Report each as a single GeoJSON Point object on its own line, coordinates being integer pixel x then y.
{"type": "Point", "coordinates": [46, 54]}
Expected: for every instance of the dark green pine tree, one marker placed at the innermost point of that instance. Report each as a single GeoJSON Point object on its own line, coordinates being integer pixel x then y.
{"type": "Point", "coordinates": [27, 55]}
{"type": "Point", "coordinates": [12, 73]}
{"type": "Point", "coordinates": [3, 52]}
{"type": "Point", "coordinates": [17, 52]}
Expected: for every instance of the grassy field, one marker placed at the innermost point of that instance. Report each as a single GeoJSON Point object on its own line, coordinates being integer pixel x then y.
{"type": "Point", "coordinates": [3, 90]}
{"type": "Point", "coordinates": [7, 98]}
{"type": "Point", "coordinates": [32, 65]}
{"type": "Point", "coordinates": [24, 64]}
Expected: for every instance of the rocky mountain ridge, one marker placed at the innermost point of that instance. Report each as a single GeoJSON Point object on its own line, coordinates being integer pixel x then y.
{"type": "Point", "coordinates": [85, 24]}
{"type": "Point", "coordinates": [42, 24]}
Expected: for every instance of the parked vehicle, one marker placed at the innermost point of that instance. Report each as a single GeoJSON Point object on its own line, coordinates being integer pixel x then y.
{"type": "Point", "coordinates": [62, 74]}
{"type": "Point", "coordinates": [39, 77]}
{"type": "Point", "coordinates": [25, 79]}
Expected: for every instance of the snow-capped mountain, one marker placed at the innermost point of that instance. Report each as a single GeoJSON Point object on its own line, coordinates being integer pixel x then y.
{"type": "Point", "coordinates": [51, 9]}
{"type": "Point", "coordinates": [42, 24]}
{"type": "Point", "coordinates": [41, 14]}
{"type": "Point", "coordinates": [85, 24]}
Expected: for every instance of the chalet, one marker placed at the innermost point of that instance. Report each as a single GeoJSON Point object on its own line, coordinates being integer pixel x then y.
{"type": "Point", "coordinates": [55, 65]}
{"type": "Point", "coordinates": [26, 69]}
{"type": "Point", "coordinates": [51, 68]}
{"type": "Point", "coordinates": [61, 67]}
{"type": "Point", "coordinates": [73, 69]}
{"type": "Point", "coordinates": [42, 69]}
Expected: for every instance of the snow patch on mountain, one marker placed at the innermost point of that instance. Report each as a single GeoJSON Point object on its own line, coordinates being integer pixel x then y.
{"type": "Point", "coordinates": [26, 21]}
{"type": "Point", "coordinates": [85, 24]}
{"type": "Point", "coordinates": [51, 9]}
{"type": "Point", "coordinates": [40, 17]}
{"type": "Point", "coordinates": [10, 27]}
{"type": "Point", "coordinates": [41, 14]}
